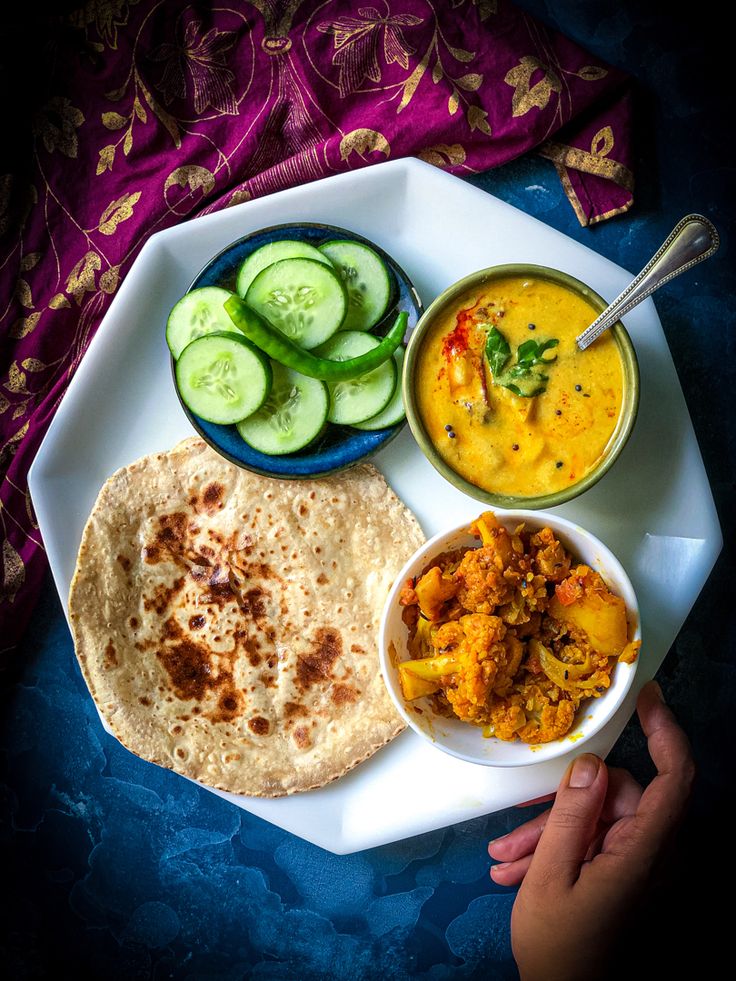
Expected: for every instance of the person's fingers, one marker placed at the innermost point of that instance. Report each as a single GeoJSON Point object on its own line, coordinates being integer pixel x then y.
{"type": "Point", "coordinates": [519, 842]}
{"type": "Point", "coordinates": [572, 824]}
{"type": "Point", "coordinates": [663, 802]}
{"type": "Point", "coordinates": [511, 873]}
{"type": "Point", "coordinates": [622, 799]}
{"type": "Point", "coordinates": [536, 800]}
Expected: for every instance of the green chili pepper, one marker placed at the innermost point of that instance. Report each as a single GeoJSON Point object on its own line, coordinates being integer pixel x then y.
{"type": "Point", "coordinates": [277, 346]}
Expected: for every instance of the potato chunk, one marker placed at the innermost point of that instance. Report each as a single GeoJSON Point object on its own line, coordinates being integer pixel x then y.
{"type": "Point", "coordinates": [602, 616]}
{"type": "Point", "coordinates": [433, 590]}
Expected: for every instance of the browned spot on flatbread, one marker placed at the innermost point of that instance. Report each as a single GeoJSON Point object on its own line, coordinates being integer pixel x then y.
{"type": "Point", "coordinates": [229, 706]}
{"type": "Point", "coordinates": [172, 529]}
{"type": "Point", "coordinates": [111, 657]}
{"type": "Point", "coordinates": [322, 579]}
{"type": "Point", "coordinates": [301, 737]}
{"type": "Point", "coordinates": [152, 554]}
{"type": "Point", "coordinates": [316, 667]}
{"type": "Point", "coordinates": [144, 700]}
{"type": "Point", "coordinates": [303, 509]}
{"type": "Point", "coordinates": [188, 663]}
{"type": "Point", "coordinates": [292, 709]}
{"type": "Point", "coordinates": [133, 622]}
{"type": "Point", "coordinates": [343, 694]}
{"type": "Point", "coordinates": [357, 649]}
{"type": "Point", "coordinates": [212, 496]}
{"type": "Point", "coordinates": [197, 622]}
{"type": "Point", "coordinates": [259, 725]}
{"type": "Point", "coordinates": [162, 596]}
{"type": "Point", "coordinates": [124, 562]}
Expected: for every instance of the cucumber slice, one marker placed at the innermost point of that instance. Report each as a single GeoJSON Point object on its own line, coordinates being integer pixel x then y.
{"type": "Point", "coordinates": [291, 417]}
{"type": "Point", "coordinates": [366, 279]}
{"type": "Point", "coordinates": [270, 253]}
{"type": "Point", "coordinates": [223, 377]}
{"type": "Point", "coordinates": [303, 298]}
{"type": "Point", "coordinates": [362, 397]}
{"type": "Point", "coordinates": [196, 314]}
{"type": "Point", "coordinates": [394, 411]}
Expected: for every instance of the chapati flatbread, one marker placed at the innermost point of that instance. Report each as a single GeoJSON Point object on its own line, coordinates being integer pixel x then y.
{"type": "Point", "coordinates": [226, 623]}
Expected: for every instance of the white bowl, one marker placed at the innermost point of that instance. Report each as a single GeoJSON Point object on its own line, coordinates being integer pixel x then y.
{"type": "Point", "coordinates": [466, 741]}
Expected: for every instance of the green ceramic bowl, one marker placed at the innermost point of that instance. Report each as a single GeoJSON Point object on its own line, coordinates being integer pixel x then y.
{"type": "Point", "coordinates": [629, 407]}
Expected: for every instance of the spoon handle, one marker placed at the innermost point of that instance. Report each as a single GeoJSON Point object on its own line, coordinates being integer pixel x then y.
{"type": "Point", "coordinates": [693, 239]}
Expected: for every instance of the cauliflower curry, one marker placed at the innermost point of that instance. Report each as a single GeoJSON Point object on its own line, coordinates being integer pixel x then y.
{"type": "Point", "coordinates": [512, 636]}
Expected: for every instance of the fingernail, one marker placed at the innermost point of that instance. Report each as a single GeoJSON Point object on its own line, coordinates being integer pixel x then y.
{"type": "Point", "coordinates": [584, 771]}
{"type": "Point", "coordinates": [500, 865]}
{"type": "Point", "coordinates": [658, 690]}
{"type": "Point", "coordinates": [496, 840]}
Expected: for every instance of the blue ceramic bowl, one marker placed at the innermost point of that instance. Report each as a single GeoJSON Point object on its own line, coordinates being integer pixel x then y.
{"type": "Point", "coordinates": [339, 446]}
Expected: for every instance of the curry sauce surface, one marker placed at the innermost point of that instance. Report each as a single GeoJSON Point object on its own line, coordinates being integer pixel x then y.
{"type": "Point", "coordinates": [502, 442]}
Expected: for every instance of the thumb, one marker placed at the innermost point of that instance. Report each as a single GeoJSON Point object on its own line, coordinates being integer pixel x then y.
{"type": "Point", "coordinates": [573, 821]}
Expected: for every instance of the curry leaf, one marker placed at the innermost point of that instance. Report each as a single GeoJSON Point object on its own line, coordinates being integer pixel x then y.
{"type": "Point", "coordinates": [524, 378]}
{"type": "Point", "coordinates": [530, 352]}
{"type": "Point", "coordinates": [498, 351]}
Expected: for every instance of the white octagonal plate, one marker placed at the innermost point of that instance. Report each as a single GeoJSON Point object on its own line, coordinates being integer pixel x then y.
{"type": "Point", "coordinates": [654, 509]}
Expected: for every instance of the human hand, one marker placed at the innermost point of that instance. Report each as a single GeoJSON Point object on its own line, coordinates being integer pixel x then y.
{"type": "Point", "coordinates": [583, 863]}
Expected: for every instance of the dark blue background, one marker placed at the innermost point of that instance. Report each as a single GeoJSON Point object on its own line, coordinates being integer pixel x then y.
{"type": "Point", "coordinates": [115, 868]}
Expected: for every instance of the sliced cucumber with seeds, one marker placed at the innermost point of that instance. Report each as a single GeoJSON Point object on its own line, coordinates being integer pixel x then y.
{"type": "Point", "coordinates": [363, 397]}
{"type": "Point", "coordinates": [303, 298]}
{"type": "Point", "coordinates": [394, 411]}
{"type": "Point", "coordinates": [196, 314]}
{"type": "Point", "coordinates": [292, 416]}
{"type": "Point", "coordinates": [274, 252]}
{"type": "Point", "coordinates": [366, 279]}
{"type": "Point", "coordinates": [223, 377]}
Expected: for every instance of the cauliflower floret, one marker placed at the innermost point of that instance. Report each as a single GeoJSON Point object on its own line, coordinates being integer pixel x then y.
{"type": "Point", "coordinates": [554, 722]}
{"type": "Point", "coordinates": [552, 560]}
{"type": "Point", "coordinates": [476, 641]}
{"type": "Point", "coordinates": [483, 585]}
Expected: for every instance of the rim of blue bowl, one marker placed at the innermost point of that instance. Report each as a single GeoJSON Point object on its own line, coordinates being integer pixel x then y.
{"type": "Point", "coordinates": [365, 443]}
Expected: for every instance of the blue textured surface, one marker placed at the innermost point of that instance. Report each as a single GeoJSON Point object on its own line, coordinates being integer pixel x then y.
{"type": "Point", "coordinates": [115, 868]}
{"type": "Point", "coordinates": [339, 446]}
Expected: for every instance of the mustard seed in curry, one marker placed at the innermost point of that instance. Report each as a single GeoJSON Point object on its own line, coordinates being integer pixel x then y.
{"type": "Point", "coordinates": [529, 413]}
{"type": "Point", "coordinates": [512, 636]}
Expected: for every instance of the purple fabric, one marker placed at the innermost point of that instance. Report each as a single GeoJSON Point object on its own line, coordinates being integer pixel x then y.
{"type": "Point", "coordinates": [161, 111]}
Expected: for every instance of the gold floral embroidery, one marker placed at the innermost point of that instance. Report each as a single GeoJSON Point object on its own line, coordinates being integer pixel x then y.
{"type": "Point", "coordinates": [119, 210]}
{"type": "Point", "coordinates": [602, 143]}
{"type": "Point", "coordinates": [25, 325]}
{"type": "Point", "coordinates": [238, 197]}
{"type": "Point", "coordinates": [106, 16]}
{"type": "Point", "coordinates": [23, 294]}
{"type": "Point", "coordinates": [16, 382]}
{"type": "Point", "coordinates": [527, 96]}
{"type": "Point", "coordinates": [56, 123]}
{"type": "Point", "coordinates": [356, 45]}
{"type": "Point", "coordinates": [81, 279]}
{"type": "Point", "coordinates": [12, 444]}
{"type": "Point", "coordinates": [485, 7]}
{"type": "Point", "coordinates": [202, 61]}
{"type": "Point", "coordinates": [14, 570]}
{"type": "Point", "coordinates": [192, 177]}
{"type": "Point", "coordinates": [442, 155]}
{"type": "Point", "coordinates": [363, 141]}
{"type": "Point", "coordinates": [29, 261]}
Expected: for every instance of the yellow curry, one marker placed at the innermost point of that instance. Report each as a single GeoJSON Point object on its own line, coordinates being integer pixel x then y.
{"type": "Point", "coordinates": [505, 395]}
{"type": "Point", "coordinates": [512, 636]}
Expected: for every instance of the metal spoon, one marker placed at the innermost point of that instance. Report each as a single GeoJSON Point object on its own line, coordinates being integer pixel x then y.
{"type": "Point", "coordinates": [693, 239]}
